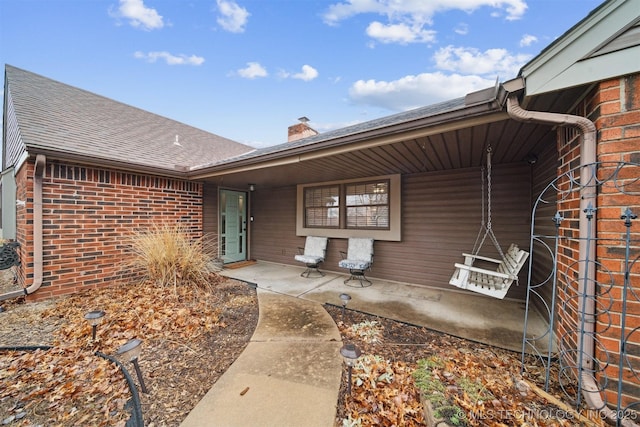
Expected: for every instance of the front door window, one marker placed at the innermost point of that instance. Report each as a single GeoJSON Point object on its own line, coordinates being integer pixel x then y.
{"type": "Point", "coordinates": [233, 225]}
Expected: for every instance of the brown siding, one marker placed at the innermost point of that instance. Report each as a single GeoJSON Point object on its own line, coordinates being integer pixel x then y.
{"type": "Point", "coordinates": [210, 211]}
{"type": "Point", "coordinates": [441, 218]}
{"type": "Point", "coordinates": [273, 231]}
{"type": "Point", "coordinates": [543, 173]}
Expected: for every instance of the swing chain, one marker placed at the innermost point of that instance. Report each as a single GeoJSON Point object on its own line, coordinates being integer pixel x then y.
{"type": "Point", "coordinates": [489, 150]}
{"type": "Point", "coordinates": [488, 228]}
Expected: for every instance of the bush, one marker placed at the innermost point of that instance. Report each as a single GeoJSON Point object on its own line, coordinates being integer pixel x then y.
{"type": "Point", "coordinates": [167, 254]}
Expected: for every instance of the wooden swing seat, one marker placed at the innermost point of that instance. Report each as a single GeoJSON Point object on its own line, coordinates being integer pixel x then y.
{"type": "Point", "coordinates": [493, 283]}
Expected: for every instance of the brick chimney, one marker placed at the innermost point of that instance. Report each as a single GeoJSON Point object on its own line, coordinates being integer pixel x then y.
{"type": "Point", "coordinates": [300, 130]}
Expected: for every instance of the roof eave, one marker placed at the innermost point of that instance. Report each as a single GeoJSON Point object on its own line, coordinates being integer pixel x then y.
{"type": "Point", "coordinates": [103, 162]}
{"type": "Point", "coordinates": [487, 110]}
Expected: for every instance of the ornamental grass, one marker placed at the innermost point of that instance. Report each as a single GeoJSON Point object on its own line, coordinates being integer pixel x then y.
{"type": "Point", "coordinates": [168, 254]}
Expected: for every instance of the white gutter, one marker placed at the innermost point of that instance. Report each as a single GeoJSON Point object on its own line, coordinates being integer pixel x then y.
{"type": "Point", "coordinates": [588, 155]}
{"type": "Point", "coordinates": [38, 174]}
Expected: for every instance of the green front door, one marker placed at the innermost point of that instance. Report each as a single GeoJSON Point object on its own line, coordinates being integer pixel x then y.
{"type": "Point", "coordinates": [233, 225]}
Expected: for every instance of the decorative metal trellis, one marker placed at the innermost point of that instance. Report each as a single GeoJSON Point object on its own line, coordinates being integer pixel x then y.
{"type": "Point", "coordinates": [588, 346]}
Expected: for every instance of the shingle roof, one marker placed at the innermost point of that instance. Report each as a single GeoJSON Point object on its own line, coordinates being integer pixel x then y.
{"type": "Point", "coordinates": [57, 118]}
{"type": "Point", "coordinates": [360, 128]}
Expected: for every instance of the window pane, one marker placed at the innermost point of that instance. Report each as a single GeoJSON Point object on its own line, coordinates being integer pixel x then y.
{"type": "Point", "coordinates": [367, 205]}
{"type": "Point", "coordinates": [321, 206]}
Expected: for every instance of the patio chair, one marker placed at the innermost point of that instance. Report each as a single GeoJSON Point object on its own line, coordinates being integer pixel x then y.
{"type": "Point", "coordinates": [357, 260]}
{"type": "Point", "coordinates": [313, 253]}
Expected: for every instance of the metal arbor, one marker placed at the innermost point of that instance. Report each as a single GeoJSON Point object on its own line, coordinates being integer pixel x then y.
{"type": "Point", "coordinates": [591, 346]}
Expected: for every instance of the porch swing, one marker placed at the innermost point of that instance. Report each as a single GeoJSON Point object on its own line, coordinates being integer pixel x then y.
{"type": "Point", "coordinates": [496, 281]}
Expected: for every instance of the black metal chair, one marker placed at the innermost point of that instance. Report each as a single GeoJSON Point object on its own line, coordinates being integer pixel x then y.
{"type": "Point", "coordinates": [357, 260]}
{"type": "Point", "coordinates": [313, 254]}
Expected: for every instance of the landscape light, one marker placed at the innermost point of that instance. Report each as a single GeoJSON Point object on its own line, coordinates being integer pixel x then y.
{"type": "Point", "coordinates": [345, 298]}
{"type": "Point", "coordinates": [350, 353]}
{"type": "Point", "coordinates": [130, 351]}
{"type": "Point", "coordinates": [94, 318]}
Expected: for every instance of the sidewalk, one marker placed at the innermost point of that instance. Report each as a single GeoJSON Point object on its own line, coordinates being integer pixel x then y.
{"type": "Point", "coordinates": [463, 314]}
{"type": "Point", "coordinates": [288, 375]}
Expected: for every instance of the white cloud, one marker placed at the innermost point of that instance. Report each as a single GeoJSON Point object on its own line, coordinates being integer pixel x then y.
{"type": "Point", "coordinates": [169, 58]}
{"type": "Point", "coordinates": [418, 11]}
{"type": "Point", "coordinates": [399, 33]}
{"type": "Point", "coordinates": [232, 17]}
{"type": "Point", "coordinates": [468, 60]}
{"type": "Point", "coordinates": [528, 40]}
{"type": "Point", "coordinates": [253, 70]}
{"type": "Point", "coordinates": [308, 73]}
{"type": "Point", "coordinates": [415, 91]}
{"type": "Point", "coordinates": [139, 15]}
{"type": "Point", "coordinates": [462, 29]}
{"type": "Point", "coordinates": [406, 19]}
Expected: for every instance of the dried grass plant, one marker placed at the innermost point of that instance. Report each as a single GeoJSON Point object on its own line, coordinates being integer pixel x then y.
{"type": "Point", "coordinates": [167, 254]}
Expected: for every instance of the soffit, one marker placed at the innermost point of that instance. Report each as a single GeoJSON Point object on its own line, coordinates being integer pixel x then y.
{"type": "Point", "coordinates": [572, 61]}
{"type": "Point", "coordinates": [511, 141]}
{"type": "Point", "coordinates": [436, 148]}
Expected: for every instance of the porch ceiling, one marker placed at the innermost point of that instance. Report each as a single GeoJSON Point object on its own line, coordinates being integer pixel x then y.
{"type": "Point", "coordinates": [460, 147]}
{"type": "Point", "coordinates": [511, 141]}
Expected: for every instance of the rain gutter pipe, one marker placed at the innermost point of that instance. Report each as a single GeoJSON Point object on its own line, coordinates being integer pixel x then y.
{"type": "Point", "coordinates": [38, 174]}
{"type": "Point", "coordinates": [590, 389]}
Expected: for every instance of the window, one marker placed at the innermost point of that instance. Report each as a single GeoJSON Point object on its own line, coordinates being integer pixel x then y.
{"type": "Point", "coordinates": [321, 206]}
{"type": "Point", "coordinates": [367, 205]}
{"type": "Point", "coordinates": [351, 208]}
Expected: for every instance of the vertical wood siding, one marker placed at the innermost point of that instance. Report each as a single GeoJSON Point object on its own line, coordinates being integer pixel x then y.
{"type": "Point", "coordinates": [441, 216]}
{"type": "Point", "coordinates": [544, 172]}
{"type": "Point", "coordinates": [210, 213]}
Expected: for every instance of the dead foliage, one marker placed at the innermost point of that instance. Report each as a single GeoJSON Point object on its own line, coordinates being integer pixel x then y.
{"type": "Point", "coordinates": [190, 337]}
{"type": "Point", "coordinates": [470, 384]}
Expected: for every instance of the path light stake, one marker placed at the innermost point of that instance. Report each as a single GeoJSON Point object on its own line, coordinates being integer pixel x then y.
{"type": "Point", "coordinates": [350, 353]}
{"type": "Point", "coordinates": [130, 351]}
{"type": "Point", "coordinates": [345, 299]}
{"type": "Point", "coordinates": [94, 318]}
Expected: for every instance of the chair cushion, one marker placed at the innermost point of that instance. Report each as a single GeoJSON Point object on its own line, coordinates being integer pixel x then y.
{"type": "Point", "coordinates": [360, 249]}
{"type": "Point", "coordinates": [309, 259]}
{"type": "Point", "coordinates": [315, 246]}
{"type": "Point", "coordinates": [353, 264]}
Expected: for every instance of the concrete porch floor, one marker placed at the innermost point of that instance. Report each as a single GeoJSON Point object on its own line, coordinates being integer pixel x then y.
{"type": "Point", "coordinates": [472, 316]}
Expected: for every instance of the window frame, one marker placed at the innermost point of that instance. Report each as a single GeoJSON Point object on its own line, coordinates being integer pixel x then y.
{"type": "Point", "coordinates": [321, 207]}
{"type": "Point", "coordinates": [392, 233]}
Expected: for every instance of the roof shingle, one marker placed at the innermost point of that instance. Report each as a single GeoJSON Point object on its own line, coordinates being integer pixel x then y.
{"type": "Point", "coordinates": [55, 117]}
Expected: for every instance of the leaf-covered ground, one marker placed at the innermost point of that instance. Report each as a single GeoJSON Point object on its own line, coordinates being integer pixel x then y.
{"type": "Point", "coordinates": [478, 385]}
{"type": "Point", "coordinates": [190, 337]}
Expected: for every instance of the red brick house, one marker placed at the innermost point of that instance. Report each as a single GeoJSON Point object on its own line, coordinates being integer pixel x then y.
{"type": "Point", "coordinates": [87, 169]}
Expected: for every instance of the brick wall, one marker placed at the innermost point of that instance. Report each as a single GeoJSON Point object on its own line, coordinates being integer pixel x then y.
{"type": "Point", "coordinates": [614, 107]}
{"type": "Point", "coordinates": [88, 213]}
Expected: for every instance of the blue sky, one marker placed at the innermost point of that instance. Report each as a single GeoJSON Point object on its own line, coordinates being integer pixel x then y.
{"type": "Point", "coordinates": [248, 69]}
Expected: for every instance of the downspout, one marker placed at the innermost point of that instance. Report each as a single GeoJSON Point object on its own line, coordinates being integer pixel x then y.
{"type": "Point", "coordinates": [38, 174]}
{"type": "Point", "coordinates": [588, 156]}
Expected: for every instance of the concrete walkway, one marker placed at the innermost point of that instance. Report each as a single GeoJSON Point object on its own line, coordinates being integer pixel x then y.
{"type": "Point", "coordinates": [288, 375]}
{"type": "Point", "coordinates": [463, 314]}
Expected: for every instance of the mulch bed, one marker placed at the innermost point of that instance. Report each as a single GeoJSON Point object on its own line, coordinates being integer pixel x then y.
{"type": "Point", "coordinates": [190, 337]}
{"type": "Point", "coordinates": [384, 392]}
